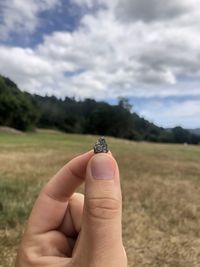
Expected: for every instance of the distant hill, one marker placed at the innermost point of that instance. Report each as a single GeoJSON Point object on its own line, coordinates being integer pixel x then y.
{"type": "Point", "coordinates": [24, 111]}
{"type": "Point", "coordinates": [195, 131]}
{"type": "Point", "coordinates": [17, 109]}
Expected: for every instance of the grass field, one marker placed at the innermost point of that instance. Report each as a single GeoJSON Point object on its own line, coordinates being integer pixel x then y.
{"type": "Point", "coordinates": [161, 193]}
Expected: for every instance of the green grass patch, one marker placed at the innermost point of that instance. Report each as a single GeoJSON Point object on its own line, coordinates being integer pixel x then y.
{"type": "Point", "coordinates": [16, 200]}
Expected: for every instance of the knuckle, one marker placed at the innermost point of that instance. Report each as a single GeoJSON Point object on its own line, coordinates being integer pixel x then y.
{"type": "Point", "coordinates": [103, 208]}
{"type": "Point", "coordinates": [27, 258]}
{"type": "Point", "coordinates": [28, 252]}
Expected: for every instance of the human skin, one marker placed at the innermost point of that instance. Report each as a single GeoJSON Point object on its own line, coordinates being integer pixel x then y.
{"type": "Point", "coordinates": [67, 229]}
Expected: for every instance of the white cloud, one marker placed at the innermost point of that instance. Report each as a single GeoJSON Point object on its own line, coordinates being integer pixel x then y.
{"type": "Point", "coordinates": [153, 10]}
{"type": "Point", "coordinates": [143, 10]}
{"type": "Point", "coordinates": [94, 3]}
{"type": "Point", "coordinates": [25, 67]}
{"type": "Point", "coordinates": [169, 114]}
{"type": "Point", "coordinates": [21, 16]}
{"type": "Point", "coordinates": [121, 58]}
{"type": "Point", "coordinates": [109, 58]}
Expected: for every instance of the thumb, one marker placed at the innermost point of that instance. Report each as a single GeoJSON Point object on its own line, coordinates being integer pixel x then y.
{"type": "Point", "coordinates": [101, 227]}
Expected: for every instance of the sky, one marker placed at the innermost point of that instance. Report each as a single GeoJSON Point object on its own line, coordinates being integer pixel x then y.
{"type": "Point", "coordinates": [146, 50]}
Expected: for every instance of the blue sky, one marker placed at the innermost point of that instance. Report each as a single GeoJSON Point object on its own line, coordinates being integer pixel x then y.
{"type": "Point", "coordinates": [63, 17]}
{"type": "Point", "coordinates": [146, 51]}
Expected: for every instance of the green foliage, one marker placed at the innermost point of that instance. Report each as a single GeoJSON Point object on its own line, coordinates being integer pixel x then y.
{"type": "Point", "coordinates": [110, 120]}
{"type": "Point", "coordinates": [24, 111]}
{"type": "Point", "coordinates": [183, 136]}
{"type": "Point", "coordinates": [166, 137]}
{"type": "Point", "coordinates": [124, 103]}
{"type": "Point", "coordinates": [16, 108]}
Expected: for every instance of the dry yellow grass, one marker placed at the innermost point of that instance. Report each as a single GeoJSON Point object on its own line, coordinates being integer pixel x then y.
{"type": "Point", "coordinates": [161, 193]}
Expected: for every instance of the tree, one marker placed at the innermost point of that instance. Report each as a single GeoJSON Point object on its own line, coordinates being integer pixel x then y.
{"type": "Point", "coordinates": [110, 120]}
{"type": "Point", "coordinates": [124, 103]}
{"type": "Point", "coordinates": [16, 108]}
{"type": "Point", "coordinates": [181, 135]}
{"type": "Point", "coordinates": [25, 111]}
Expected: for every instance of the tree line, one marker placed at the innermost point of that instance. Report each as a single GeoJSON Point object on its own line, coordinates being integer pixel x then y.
{"type": "Point", "coordinates": [25, 112]}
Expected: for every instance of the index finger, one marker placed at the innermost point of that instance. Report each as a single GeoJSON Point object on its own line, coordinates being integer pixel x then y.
{"type": "Point", "coordinates": [50, 207]}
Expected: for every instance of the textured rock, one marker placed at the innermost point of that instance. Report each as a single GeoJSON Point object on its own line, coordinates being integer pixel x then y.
{"type": "Point", "coordinates": [101, 146]}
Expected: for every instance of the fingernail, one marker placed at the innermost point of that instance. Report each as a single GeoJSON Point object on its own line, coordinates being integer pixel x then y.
{"type": "Point", "coordinates": [103, 167]}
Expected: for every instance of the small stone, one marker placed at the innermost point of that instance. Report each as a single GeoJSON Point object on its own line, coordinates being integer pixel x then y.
{"type": "Point", "coordinates": [101, 146]}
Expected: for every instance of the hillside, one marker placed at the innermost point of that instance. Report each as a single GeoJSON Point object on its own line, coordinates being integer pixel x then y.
{"type": "Point", "coordinates": [24, 111]}
{"type": "Point", "coordinates": [195, 131]}
{"type": "Point", "coordinates": [16, 107]}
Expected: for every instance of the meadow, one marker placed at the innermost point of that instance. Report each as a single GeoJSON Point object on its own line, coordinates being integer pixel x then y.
{"type": "Point", "coordinates": [160, 184]}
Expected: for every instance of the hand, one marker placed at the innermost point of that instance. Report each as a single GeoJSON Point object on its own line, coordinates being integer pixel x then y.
{"type": "Point", "coordinates": [66, 230]}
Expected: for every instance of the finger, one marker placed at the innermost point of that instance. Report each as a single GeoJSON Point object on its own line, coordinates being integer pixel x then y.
{"type": "Point", "coordinates": [71, 224]}
{"type": "Point", "coordinates": [101, 229]}
{"type": "Point", "coordinates": [65, 182]}
{"type": "Point", "coordinates": [50, 207]}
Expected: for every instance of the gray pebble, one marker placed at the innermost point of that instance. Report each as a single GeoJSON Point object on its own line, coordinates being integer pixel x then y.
{"type": "Point", "coordinates": [101, 146]}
